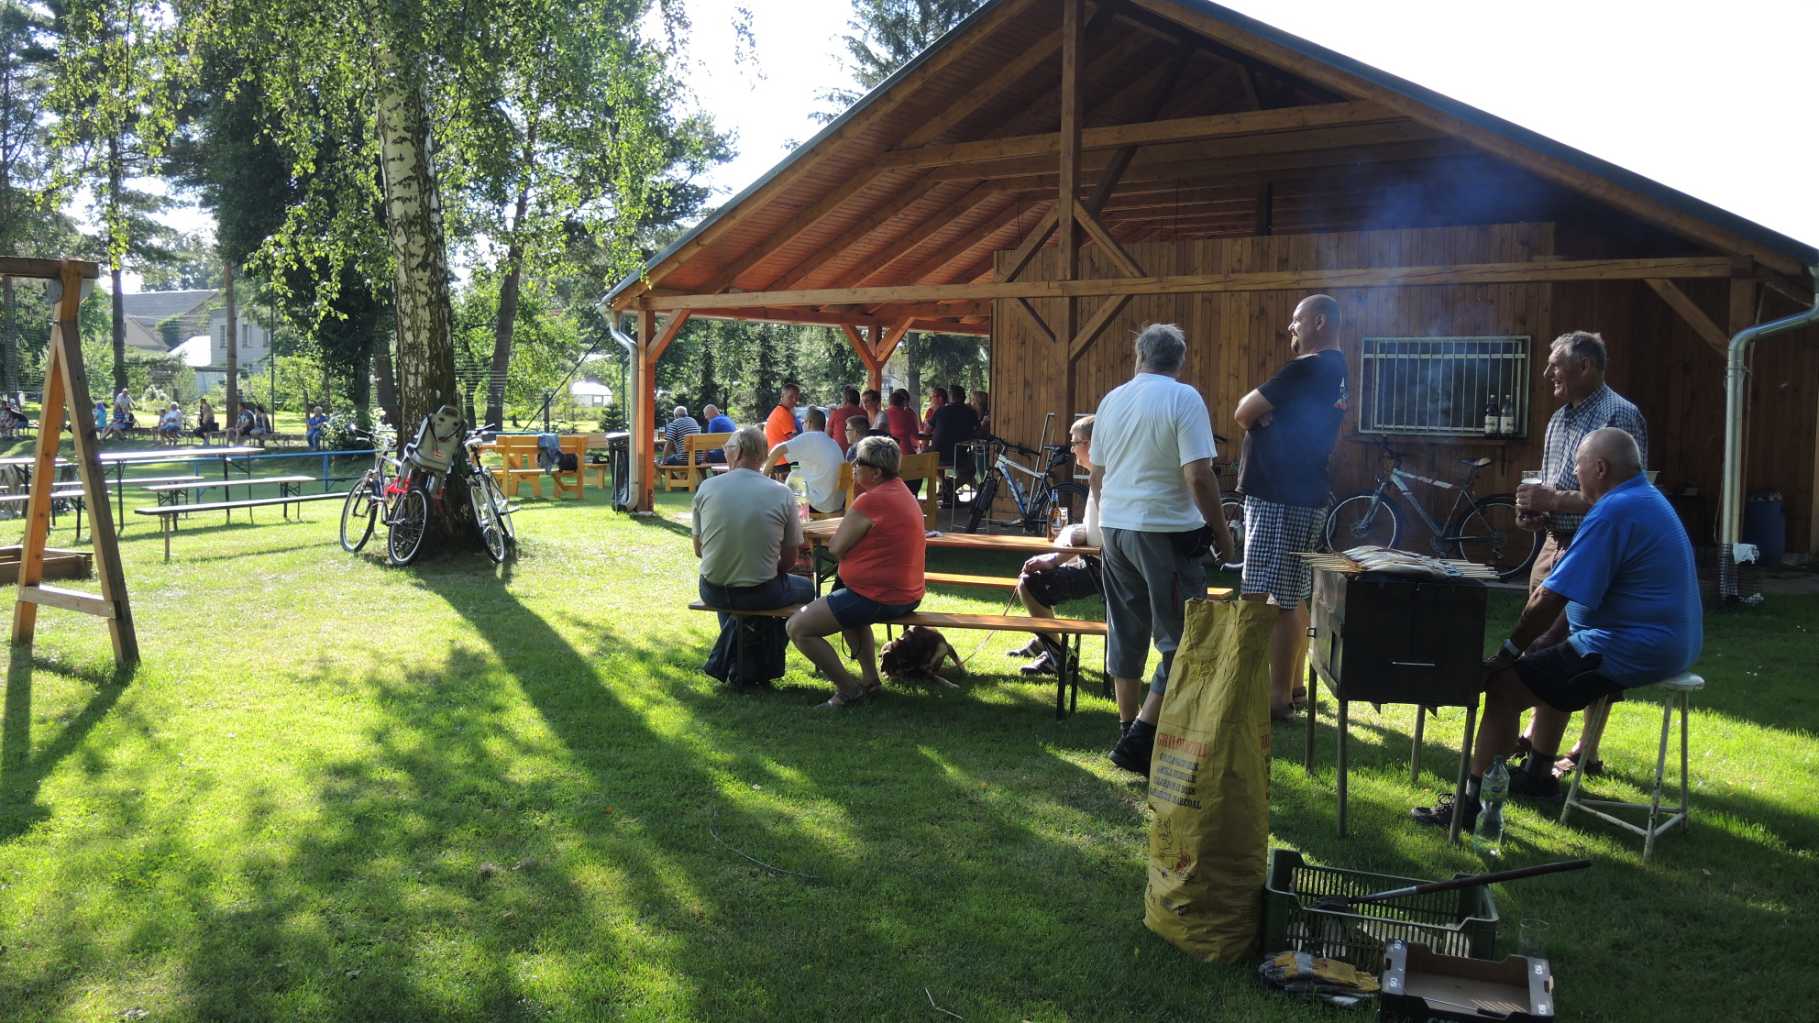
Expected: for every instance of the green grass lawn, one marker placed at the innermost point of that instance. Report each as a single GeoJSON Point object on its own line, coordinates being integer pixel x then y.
{"type": "Point", "coordinates": [339, 791]}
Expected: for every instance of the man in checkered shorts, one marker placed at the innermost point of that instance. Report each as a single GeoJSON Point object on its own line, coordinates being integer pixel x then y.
{"type": "Point", "coordinates": [1290, 424]}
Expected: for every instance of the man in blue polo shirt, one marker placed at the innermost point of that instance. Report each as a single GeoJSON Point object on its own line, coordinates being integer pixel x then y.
{"type": "Point", "coordinates": [1631, 598]}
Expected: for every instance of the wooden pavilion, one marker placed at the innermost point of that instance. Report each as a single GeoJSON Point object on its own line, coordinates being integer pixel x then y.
{"type": "Point", "coordinates": [1053, 174]}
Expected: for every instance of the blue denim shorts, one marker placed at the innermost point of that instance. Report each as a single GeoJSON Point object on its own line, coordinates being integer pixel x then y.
{"type": "Point", "coordinates": [852, 610]}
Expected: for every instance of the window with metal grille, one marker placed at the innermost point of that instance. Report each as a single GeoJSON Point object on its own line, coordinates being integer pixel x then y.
{"type": "Point", "coordinates": [1445, 386]}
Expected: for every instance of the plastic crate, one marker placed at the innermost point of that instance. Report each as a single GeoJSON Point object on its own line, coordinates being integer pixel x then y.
{"type": "Point", "coordinates": [1459, 923]}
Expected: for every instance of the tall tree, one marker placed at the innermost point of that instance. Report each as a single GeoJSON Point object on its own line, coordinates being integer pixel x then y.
{"type": "Point", "coordinates": [115, 109]}
{"type": "Point", "coordinates": [194, 264]}
{"type": "Point", "coordinates": [883, 35]}
{"type": "Point", "coordinates": [548, 141]}
{"type": "Point", "coordinates": [26, 53]}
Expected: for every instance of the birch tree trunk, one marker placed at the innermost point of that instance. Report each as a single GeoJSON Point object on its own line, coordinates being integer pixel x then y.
{"type": "Point", "coordinates": [231, 333]}
{"type": "Point", "coordinates": [413, 224]}
{"type": "Point", "coordinates": [425, 367]}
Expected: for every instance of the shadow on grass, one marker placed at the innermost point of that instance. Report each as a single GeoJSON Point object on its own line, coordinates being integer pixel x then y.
{"type": "Point", "coordinates": [22, 771]}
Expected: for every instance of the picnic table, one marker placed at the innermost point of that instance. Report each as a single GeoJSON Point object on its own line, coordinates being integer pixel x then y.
{"type": "Point", "coordinates": [119, 460]}
{"type": "Point", "coordinates": [820, 531]}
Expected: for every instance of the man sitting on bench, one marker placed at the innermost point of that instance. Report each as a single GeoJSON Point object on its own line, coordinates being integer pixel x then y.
{"type": "Point", "coordinates": [1049, 579]}
{"type": "Point", "coordinates": [747, 533]}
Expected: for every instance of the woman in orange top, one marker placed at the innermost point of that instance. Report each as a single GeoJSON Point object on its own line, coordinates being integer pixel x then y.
{"type": "Point", "coordinates": [881, 547]}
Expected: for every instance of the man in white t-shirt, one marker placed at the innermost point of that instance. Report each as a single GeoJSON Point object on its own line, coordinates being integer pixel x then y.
{"type": "Point", "coordinates": [1049, 579]}
{"type": "Point", "coordinates": [1152, 455]}
{"type": "Point", "coordinates": [818, 458]}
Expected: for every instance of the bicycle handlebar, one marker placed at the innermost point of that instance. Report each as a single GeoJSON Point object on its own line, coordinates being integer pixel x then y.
{"type": "Point", "coordinates": [1013, 445]}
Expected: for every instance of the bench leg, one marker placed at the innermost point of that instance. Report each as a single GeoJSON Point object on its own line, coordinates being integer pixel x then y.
{"type": "Point", "coordinates": [166, 519]}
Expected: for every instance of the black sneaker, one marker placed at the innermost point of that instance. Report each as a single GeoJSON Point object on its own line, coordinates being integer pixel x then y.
{"type": "Point", "coordinates": [1124, 729]}
{"type": "Point", "coordinates": [1133, 751]}
{"type": "Point", "coordinates": [1043, 665]}
{"type": "Point", "coordinates": [1031, 649]}
{"type": "Point", "coordinates": [1440, 815]}
{"type": "Point", "coordinates": [1529, 785]}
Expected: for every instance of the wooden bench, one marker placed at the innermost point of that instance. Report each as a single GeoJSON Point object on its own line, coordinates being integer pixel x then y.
{"type": "Point", "coordinates": [987, 582]}
{"type": "Point", "coordinates": [172, 493]}
{"type": "Point", "coordinates": [60, 491]}
{"type": "Point", "coordinates": [571, 480]}
{"type": "Point", "coordinates": [518, 464]}
{"type": "Point", "coordinates": [594, 442]}
{"type": "Point", "coordinates": [694, 467]}
{"type": "Point", "coordinates": [1067, 683]}
{"type": "Point", "coordinates": [167, 514]}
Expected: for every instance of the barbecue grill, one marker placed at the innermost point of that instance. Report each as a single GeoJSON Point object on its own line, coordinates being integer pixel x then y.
{"type": "Point", "coordinates": [1392, 638]}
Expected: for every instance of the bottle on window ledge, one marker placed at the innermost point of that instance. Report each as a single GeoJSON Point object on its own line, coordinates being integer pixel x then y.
{"type": "Point", "coordinates": [1506, 420]}
{"type": "Point", "coordinates": [1491, 417]}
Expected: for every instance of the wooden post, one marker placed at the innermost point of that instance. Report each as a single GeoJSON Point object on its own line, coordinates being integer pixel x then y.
{"type": "Point", "coordinates": [1067, 195]}
{"type": "Point", "coordinates": [66, 391]}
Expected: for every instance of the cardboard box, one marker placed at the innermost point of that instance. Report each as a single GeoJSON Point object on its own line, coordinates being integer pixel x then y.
{"type": "Point", "coordinates": [1419, 985]}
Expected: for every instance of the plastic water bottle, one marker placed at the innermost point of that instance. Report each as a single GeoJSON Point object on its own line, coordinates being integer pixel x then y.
{"type": "Point", "coordinates": [1487, 836]}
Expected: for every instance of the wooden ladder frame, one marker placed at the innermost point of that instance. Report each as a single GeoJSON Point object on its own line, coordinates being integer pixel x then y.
{"type": "Point", "coordinates": [66, 390]}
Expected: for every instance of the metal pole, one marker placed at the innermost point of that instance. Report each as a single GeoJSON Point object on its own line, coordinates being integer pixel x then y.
{"type": "Point", "coordinates": [1735, 380]}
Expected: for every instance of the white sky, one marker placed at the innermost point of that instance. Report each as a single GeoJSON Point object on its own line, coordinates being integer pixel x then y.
{"type": "Point", "coordinates": [1710, 99]}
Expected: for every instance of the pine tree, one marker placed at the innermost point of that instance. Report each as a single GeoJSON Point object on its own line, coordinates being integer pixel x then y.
{"type": "Point", "coordinates": [883, 35]}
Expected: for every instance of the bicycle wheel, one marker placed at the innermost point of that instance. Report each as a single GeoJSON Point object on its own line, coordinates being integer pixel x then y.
{"type": "Point", "coordinates": [981, 512]}
{"type": "Point", "coordinates": [480, 496]}
{"type": "Point", "coordinates": [358, 513]}
{"type": "Point", "coordinates": [1233, 510]}
{"type": "Point", "coordinates": [1359, 520]}
{"type": "Point", "coordinates": [1488, 534]}
{"type": "Point", "coordinates": [497, 496]}
{"type": "Point", "coordinates": [409, 521]}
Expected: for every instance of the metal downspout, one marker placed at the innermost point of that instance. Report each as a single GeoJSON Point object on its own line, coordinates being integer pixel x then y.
{"type": "Point", "coordinates": [1736, 378]}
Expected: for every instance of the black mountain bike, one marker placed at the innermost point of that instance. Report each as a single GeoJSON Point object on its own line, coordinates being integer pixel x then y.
{"type": "Point", "coordinates": [1044, 491]}
{"type": "Point", "coordinates": [1480, 529]}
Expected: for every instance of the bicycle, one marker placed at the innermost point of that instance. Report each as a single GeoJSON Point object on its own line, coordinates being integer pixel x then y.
{"type": "Point", "coordinates": [1480, 529]}
{"type": "Point", "coordinates": [421, 478]}
{"type": "Point", "coordinates": [1033, 506]}
{"type": "Point", "coordinates": [1230, 505]}
{"type": "Point", "coordinates": [360, 511]}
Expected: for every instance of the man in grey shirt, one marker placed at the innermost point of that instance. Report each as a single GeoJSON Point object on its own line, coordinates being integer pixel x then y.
{"type": "Point", "coordinates": [747, 532]}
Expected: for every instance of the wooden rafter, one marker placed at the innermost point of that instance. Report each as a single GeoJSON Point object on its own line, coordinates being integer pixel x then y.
{"type": "Point", "coordinates": [1547, 166]}
{"type": "Point", "coordinates": [857, 343]}
{"type": "Point", "coordinates": [874, 218]}
{"type": "Point", "coordinates": [1103, 238]}
{"type": "Point", "coordinates": [1025, 251]}
{"type": "Point", "coordinates": [808, 218]}
{"type": "Point", "coordinates": [1093, 325]}
{"type": "Point", "coordinates": [670, 330]}
{"type": "Point", "coordinates": [1199, 157]}
{"type": "Point", "coordinates": [893, 336]}
{"type": "Point", "coordinates": [938, 65]}
{"type": "Point", "coordinates": [1522, 272]}
{"type": "Point", "coordinates": [970, 238]}
{"type": "Point", "coordinates": [1142, 133]}
{"type": "Point", "coordinates": [902, 246]}
{"type": "Point", "coordinates": [1695, 317]}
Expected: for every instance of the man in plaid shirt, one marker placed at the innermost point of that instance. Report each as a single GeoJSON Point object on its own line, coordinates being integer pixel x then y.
{"type": "Point", "coordinates": [1575, 368]}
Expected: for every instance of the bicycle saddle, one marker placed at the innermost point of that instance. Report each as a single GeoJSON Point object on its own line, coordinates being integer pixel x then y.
{"type": "Point", "coordinates": [1476, 463]}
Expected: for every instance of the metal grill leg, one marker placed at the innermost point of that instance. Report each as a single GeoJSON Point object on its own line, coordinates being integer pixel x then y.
{"type": "Point", "coordinates": [1414, 755]}
{"type": "Point", "coordinates": [1686, 804]}
{"type": "Point", "coordinates": [1313, 711]}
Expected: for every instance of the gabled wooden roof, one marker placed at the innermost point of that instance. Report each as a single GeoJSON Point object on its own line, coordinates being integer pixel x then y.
{"type": "Point", "coordinates": [1198, 122]}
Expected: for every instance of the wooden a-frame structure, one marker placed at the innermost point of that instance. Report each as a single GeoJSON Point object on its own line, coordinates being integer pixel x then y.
{"type": "Point", "coordinates": [66, 393]}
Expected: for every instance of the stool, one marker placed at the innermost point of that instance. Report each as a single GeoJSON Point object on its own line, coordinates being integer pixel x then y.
{"type": "Point", "coordinates": [1660, 819]}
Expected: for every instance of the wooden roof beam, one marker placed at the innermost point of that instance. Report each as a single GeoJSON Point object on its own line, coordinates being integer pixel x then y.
{"type": "Point", "coordinates": [939, 64]}
{"type": "Point", "coordinates": [1547, 166]}
{"type": "Point", "coordinates": [1527, 272]}
{"type": "Point", "coordinates": [1213, 155]}
{"type": "Point", "coordinates": [1703, 325]}
{"type": "Point", "coordinates": [901, 247]}
{"type": "Point", "coordinates": [1141, 133]}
